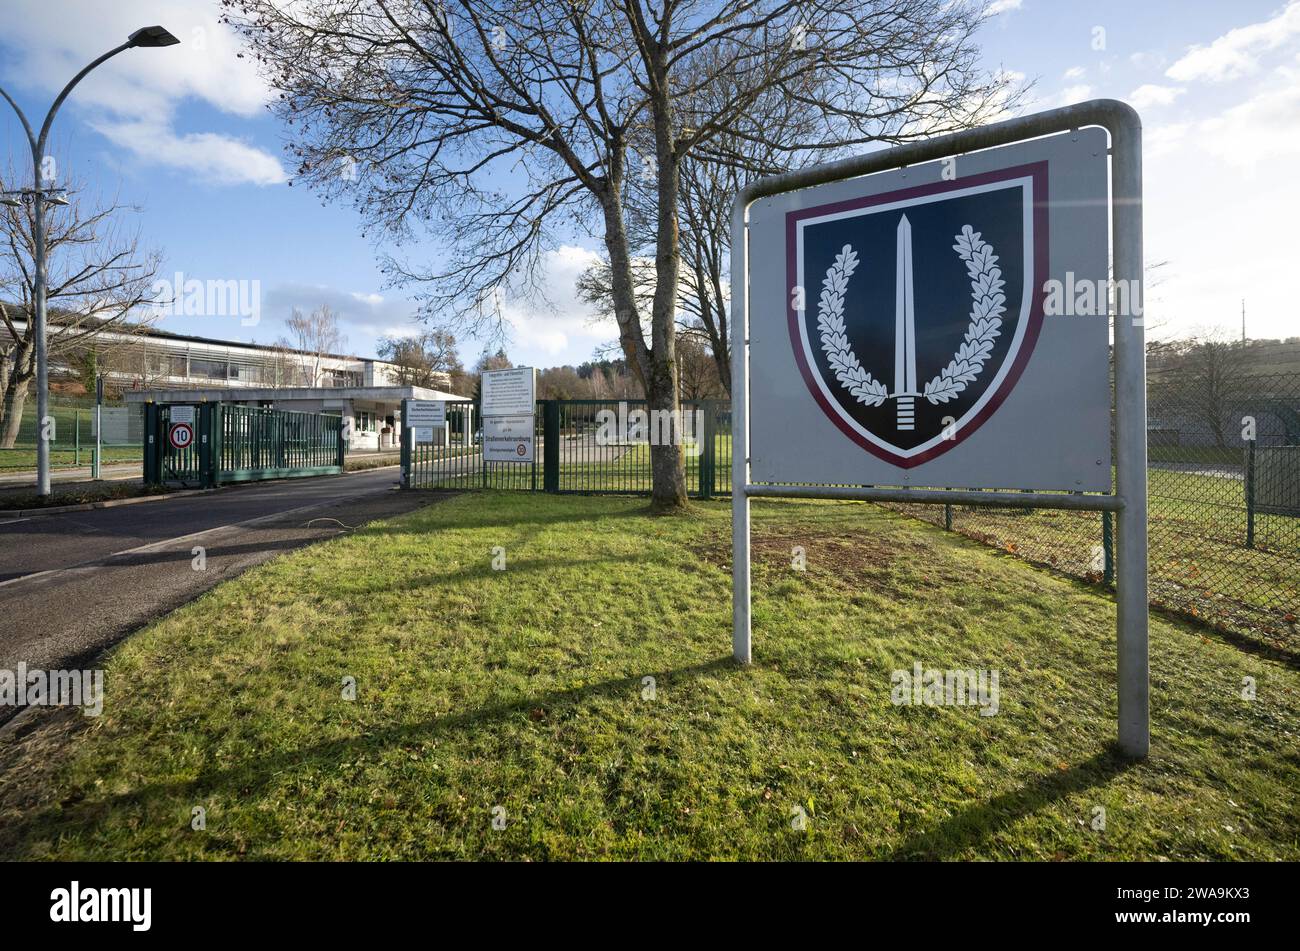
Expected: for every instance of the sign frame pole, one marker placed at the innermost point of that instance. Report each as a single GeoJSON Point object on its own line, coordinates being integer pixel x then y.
{"type": "Point", "coordinates": [1129, 500]}
{"type": "Point", "coordinates": [99, 427]}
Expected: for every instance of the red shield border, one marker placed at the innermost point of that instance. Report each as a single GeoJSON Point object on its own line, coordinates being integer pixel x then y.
{"type": "Point", "coordinates": [1037, 171]}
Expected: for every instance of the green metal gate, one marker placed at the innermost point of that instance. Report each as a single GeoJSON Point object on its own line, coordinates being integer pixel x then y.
{"type": "Point", "coordinates": [580, 446]}
{"type": "Point", "coordinates": [240, 444]}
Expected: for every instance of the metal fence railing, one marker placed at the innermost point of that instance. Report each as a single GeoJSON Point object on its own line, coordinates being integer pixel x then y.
{"type": "Point", "coordinates": [580, 446]}
{"type": "Point", "coordinates": [1224, 491]}
{"type": "Point", "coordinates": [72, 435]}
{"type": "Point", "coordinates": [229, 443]}
{"type": "Point", "coordinates": [1224, 507]}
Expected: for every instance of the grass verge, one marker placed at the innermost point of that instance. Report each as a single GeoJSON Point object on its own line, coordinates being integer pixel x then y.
{"type": "Point", "coordinates": [525, 689]}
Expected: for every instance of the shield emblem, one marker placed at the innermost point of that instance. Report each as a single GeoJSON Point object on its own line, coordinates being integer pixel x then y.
{"type": "Point", "coordinates": [919, 308]}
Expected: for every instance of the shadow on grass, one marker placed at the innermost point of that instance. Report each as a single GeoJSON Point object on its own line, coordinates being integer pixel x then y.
{"type": "Point", "coordinates": [533, 515]}
{"type": "Point", "coordinates": [975, 825]}
{"type": "Point", "coordinates": [513, 569]}
{"type": "Point", "coordinates": [246, 778]}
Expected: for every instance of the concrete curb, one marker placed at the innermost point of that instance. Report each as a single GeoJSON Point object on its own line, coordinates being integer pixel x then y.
{"type": "Point", "coordinates": [113, 503]}
{"type": "Point", "coordinates": [102, 504]}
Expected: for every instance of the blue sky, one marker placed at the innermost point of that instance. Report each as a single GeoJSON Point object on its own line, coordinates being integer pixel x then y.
{"type": "Point", "coordinates": [183, 133]}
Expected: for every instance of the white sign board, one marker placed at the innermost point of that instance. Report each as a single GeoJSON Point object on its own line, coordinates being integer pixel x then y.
{"type": "Point", "coordinates": [421, 434]}
{"type": "Point", "coordinates": [904, 330]}
{"type": "Point", "coordinates": [510, 392]}
{"type": "Point", "coordinates": [930, 322]}
{"type": "Point", "coordinates": [182, 414]}
{"type": "Point", "coordinates": [425, 413]}
{"type": "Point", "coordinates": [508, 438]}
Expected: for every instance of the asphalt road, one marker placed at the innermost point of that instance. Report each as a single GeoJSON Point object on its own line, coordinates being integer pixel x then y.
{"type": "Point", "coordinates": [73, 584]}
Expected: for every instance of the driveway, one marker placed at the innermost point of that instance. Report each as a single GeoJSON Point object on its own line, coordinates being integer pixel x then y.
{"type": "Point", "coordinates": [73, 584]}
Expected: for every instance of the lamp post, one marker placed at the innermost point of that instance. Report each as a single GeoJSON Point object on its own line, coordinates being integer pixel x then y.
{"type": "Point", "coordinates": [38, 196]}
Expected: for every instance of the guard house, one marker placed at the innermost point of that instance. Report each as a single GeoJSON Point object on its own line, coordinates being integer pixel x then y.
{"type": "Point", "coordinates": [375, 411]}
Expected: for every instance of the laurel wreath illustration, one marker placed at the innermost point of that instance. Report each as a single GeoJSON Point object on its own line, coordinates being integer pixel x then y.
{"type": "Point", "coordinates": [988, 303]}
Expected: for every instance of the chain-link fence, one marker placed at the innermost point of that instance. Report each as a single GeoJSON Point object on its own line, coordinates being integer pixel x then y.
{"type": "Point", "coordinates": [72, 434]}
{"type": "Point", "coordinates": [1224, 499]}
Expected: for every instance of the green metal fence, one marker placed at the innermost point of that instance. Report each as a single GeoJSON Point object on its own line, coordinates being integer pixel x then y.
{"type": "Point", "coordinates": [1224, 507]}
{"type": "Point", "coordinates": [241, 444]}
{"type": "Point", "coordinates": [72, 442]}
{"type": "Point", "coordinates": [580, 446]}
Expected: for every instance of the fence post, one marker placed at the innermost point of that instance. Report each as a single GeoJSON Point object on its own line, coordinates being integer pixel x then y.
{"type": "Point", "coordinates": [406, 449]}
{"type": "Point", "coordinates": [1107, 549]}
{"type": "Point", "coordinates": [151, 446]}
{"type": "Point", "coordinates": [216, 442]}
{"type": "Point", "coordinates": [202, 433]}
{"type": "Point", "coordinates": [947, 517]}
{"type": "Point", "coordinates": [551, 446]}
{"type": "Point", "coordinates": [342, 454]}
{"type": "Point", "coordinates": [707, 459]}
{"type": "Point", "coordinates": [76, 438]}
{"type": "Point", "coordinates": [1250, 494]}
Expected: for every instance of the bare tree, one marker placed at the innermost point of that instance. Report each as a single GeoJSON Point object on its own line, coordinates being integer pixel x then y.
{"type": "Point", "coordinates": [285, 365]}
{"type": "Point", "coordinates": [98, 276]}
{"type": "Point", "coordinates": [697, 368]}
{"type": "Point", "coordinates": [422, 359]}
{"type": "Point", "coordinates": [315, 336]}
{"type": "Point", "coordinates": [1211, 370]}
{"type": "Point", "coordinates": [504, 128]}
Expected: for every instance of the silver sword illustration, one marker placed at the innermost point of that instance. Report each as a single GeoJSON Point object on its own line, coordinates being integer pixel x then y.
{"type": "Point", "coordinates": [905, 391]}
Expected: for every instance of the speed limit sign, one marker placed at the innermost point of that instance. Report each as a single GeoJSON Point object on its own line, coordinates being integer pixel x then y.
{"type": "Point", "coordinates": [181, 435]}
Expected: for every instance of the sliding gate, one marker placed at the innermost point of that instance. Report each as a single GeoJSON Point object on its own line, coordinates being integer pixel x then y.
{"type": "Point", "coordinates": [210, 444]}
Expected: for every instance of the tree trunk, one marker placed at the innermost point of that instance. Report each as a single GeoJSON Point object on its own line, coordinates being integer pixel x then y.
{"type": "Point", "coordinates": [656, 366]}
{"type": "Point", "coordinates": [15, 398]}
{"type": "Point", "coordinates": [668, 492]}
{"type": "Point", "coordinates": [18, 375]}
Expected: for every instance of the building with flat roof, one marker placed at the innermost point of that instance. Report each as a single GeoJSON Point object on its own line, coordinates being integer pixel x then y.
{"type": "Point", "coordinates": [147, 358]}
{"type": "Point", "coordinates": [374, 411]}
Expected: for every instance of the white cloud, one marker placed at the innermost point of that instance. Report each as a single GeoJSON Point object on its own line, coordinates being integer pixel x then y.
{"type": "Point", "coordinates": [363, 316]}
{"type": "Point", "coordinates": [1077, 92]}
{"type": "Point", "coordinates": [1074, 73]}
{"type": "Point", "coordinates": [1263, 128]}
{"type": "Point", "coordinates": [1002, 6]}
{"type": "Point", "coordinates": [569, 323]}
{"type": "Point", "coordinates": [1161, 140]}
{"type": "Point", "coordinates": [1150, 95]}
{"type": "Point", "coordinates": [1148, 59]}
{"type": "Point", "coordinates": [132, 98]}
{"type": "Point", "coordinates": [218, 159]}
{"type": "Point", "coordinates": [1237, 52]}
{"type": "Point", "coordinates": [1218, 210]}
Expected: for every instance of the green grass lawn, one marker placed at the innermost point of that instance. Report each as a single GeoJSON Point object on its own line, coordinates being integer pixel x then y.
{"type": "Point", "coordinates": [1199, 561]}
{"type": "Point", "coordinates": [524, 689]}
{"type": "Point", "coordinates": [68, 457]}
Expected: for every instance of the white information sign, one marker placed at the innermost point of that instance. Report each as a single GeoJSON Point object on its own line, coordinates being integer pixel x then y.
{"type": "Point", "coordinates": [508, 438]}
{"type": "Point", "coordinates": [510, 392]}
{"type": "Point", "coordinates": [425, 414]}
{"type": "Point", "coordinates": [182, 414]}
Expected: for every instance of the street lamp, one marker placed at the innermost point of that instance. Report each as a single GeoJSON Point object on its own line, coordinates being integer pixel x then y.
{"type": "Point", "coordinates": [40, 196]}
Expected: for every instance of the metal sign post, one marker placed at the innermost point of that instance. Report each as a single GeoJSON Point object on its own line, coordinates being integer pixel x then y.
{"type": "Point", "coordinates": [99, 427]}
{"type": "Point", "coordinates": [509, 415]}
{"type": "Point", "coordinates": [858, 400]}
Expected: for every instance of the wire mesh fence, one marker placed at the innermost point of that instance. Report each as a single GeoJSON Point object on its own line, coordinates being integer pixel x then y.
{"type": "Point", "coordinates": [72, 434]}
{"type": "Point", "coordinates": [1223, 477]}
{"type": "Point", "coordinates": [1224, 506]}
